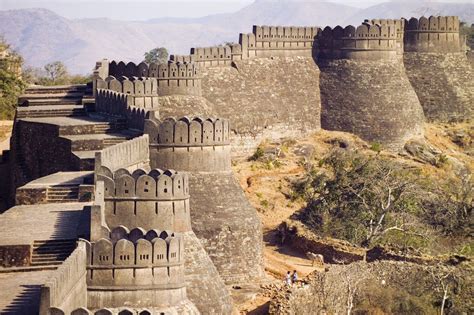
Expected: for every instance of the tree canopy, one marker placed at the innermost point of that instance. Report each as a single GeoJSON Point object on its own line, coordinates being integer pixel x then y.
{"type": "Point", "coordinates": [157, 55]}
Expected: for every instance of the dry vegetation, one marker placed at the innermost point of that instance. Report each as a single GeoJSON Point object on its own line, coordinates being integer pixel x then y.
{"type": "Point", "coordinates": [269, 177]}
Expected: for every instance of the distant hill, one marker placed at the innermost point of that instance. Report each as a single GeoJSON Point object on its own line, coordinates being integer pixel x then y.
{"type": "Point", "coordinates": [408, 9]}
{"type": "Point", "coordinates": [42, 36]}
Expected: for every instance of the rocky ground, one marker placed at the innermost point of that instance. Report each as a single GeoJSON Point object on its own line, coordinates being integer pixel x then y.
{"type": "Point", "coordinates": [267, 182]}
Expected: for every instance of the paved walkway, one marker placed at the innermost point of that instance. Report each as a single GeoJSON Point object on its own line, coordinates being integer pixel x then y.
{"type": "Point", "coordinates": [60, 179]}
{"type": "Point", "coordinates": [25, 224]}
{"type": "Point", "coordinates": [20, 291]}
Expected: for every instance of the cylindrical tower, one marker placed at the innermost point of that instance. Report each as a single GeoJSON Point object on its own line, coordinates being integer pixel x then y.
{"type": "Point", "coordinates": [438, 68]}
{"type": "Point", "coordinates": [364, 87]}
{"type": "Point", "coordinates": [222, 217]}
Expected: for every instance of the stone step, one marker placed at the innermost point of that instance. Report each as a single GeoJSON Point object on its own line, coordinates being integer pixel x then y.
{"type": "Point", "coordinates": [58, 89]}
{"type": "Point", "coordinates": [50, 102]}
{"type": "Point", "coordinates": [50, 111]}
{"type": "Point", "coordinates": [63, 95]}
{"type": "Point", "coordinates": [84, 160]}
{"type": "Point", "coordinates": [47, 263]}
{"type": "Point", "coordinates": [99, 128]}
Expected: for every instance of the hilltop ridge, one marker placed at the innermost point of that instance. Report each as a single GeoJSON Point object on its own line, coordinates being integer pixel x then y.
{"type": "Point", "coordinates": [42, 36]}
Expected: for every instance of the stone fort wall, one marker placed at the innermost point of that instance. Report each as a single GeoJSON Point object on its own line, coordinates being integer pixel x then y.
{"type": "Point", "coordinates": [158, 199]}
{"type": "Point", "coordinates": [226, 223]}
{"type": "Point", "coordinates": [364, 86]}
{"type": "Point", "coordinates": [131, 155]}
{"type": "Point", "coordinates": [143, 92]}
{"type": "Point", "coordinates": [173, 78]}
{"type": "Point", "coordinates": [67, 289]}
{"type": "Point", "coordinates": [190, 144]}
{"type": "Point", "coordinates": [204, 286]}
{"type": "Point", "coordinates": [366, 42]}
{"type": "Point", "coordinates": [438, 34]}
{"type": "Point", "coordinates": [438, 68]}
{"type": "Point", "coordinates": [121, 105]}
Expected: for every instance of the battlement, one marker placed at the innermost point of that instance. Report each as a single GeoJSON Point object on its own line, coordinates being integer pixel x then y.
{"type": "Point", "coordinates": [151, 200]}
{"type": "Point", "coordinates": [185, 131]}
{"type": "Point", "coordinates": [131, 154]}
{"type": "Point", "coordinates": [135, 250]}
{"type": "Point", "coordinates": [153, 266]}
{"type": "Point", "coordinates": [143, 92]}
{"type": "Point", "coordinates": [398, 24]}
{"type": "Point", "coordinates": [66, 288]}
{"type": "Point", "coordinates": [211, 56]}
{"type": "Point", "coordinates": [267, 41]}
{"type": "Point", "coordinates": [366, 42]}
{"type": "Point", "coordinates": [173, 78]}
{"type": "Point", "coordinates": [434, 34]}
{"type": "Point", "coordinates": [107, 311]}
{"type": "Point", "coordinates": [156, 185]}
{"type": "Point", "coordinates": [120, 104]}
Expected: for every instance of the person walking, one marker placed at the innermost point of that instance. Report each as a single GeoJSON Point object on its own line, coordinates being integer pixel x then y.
{"type": "Point", "coordinates": [294, 277]}
{"type": "Point", "coordinates": [288, 279]}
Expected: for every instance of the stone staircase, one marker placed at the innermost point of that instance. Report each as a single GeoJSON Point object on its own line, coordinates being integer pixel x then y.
{"type": "Point", "coordinates": [53, 101]}
{"type": "Point", "coordinates": [51, 252]}
{"type": "Point", "coordinates": [62, 194]}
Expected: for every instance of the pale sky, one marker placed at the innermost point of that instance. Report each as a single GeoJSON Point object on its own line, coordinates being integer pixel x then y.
{"type": "Point", "coordinates": [148, 9]}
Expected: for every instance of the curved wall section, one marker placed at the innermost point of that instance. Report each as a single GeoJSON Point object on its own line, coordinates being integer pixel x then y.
{"type": "Point", "coordinates": [437, 34]}
{"type": "Point", "coordinates": [191, 145]}
{"type": "Point", "coordinates": [158, 199]}
{"type": "Point", "coordinates": [366, 42]}
{"type": "Point", "coordinates": [173, 78]}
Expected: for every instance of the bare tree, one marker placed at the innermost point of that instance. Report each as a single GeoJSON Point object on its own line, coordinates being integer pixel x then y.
{"type": "Point", "coordinates": [56, 71]}
{"type": "Point", "coordinates": [443, 280]}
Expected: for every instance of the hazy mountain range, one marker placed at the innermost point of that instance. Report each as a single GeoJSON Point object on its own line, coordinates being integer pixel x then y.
{"type": "Point", "coordinates": [41, 36]}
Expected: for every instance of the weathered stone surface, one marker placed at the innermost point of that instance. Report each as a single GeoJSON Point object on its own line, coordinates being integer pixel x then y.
{"type": "Point", "coordinates": [444, 84]}
{"type": "Point", "coordinates": [372, 99]}
{"type": "Point", "coordinates": [227, 225]}
{"type": "Point", "coordinates": [205, 287]}
{"type": "Point", "coordinates": [265, 98]}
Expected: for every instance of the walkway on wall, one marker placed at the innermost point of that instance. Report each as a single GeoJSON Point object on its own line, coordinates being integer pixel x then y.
{"type": "Point", "coordinates": [20, 293]}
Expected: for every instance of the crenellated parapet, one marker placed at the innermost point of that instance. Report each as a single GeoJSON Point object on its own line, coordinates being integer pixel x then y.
{"type": "Point", "coordinates": [267, 41]}
{"type": "Point", "coordinates": [150, 260]}
{"type": "Point", "coordinates": [173, 78]}
{"type": "Point", "coordinates": [398, 24]}
{"type": "Point", "coordinates": [110, 102]}
{"type": "Point", "coordinates": [151, 263]}
{"type": "Point", "coordinates": [142, 92]}
{"type": "Point", "coordinates": [190, 144]}
{"type": "Point", "coordinates": [366, 42]}
{"type": "Point", "coordinates": [212, 56]}
{"type": "Point", "coordinates": [438, 34]}
{"type": "Point", "coordinates": [187, 131]}
{"type": "Point", "coordinates": [151, 200]}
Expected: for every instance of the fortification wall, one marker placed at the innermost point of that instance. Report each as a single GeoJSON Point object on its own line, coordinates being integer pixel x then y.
{"type": "Point", "coordinates": [222, 217]}
{"type": "Point", "coordinates": [155, 200]}
{"type": "Point", "coordinates": [114, 103]}
{"type": "Point", "coordinates": [196, 144]}
{"type": "Point", "coordinates": [67, 289]}
{"type": "Point", "coordinates": [205, 287]}
{"type": "Point", "coordinates": [278, 41]}
{"type": "Point", "coordinates": [372, 99]}
{"type": "Point", "coordinates": [444, 84]}
{"type": "Point", "coordinates": [436, 34]}
{"type": "Point", "coordinates": [398, 25]}
{"type": "Point", "coordinates": [211, 56]}
{"type": "Point", "coordinates": [132, 155]}
{"type": "Point", "coordinates": [37, 151]}
{"type": "Point", "coordinates": [227, 225]}
{"type": "Point", "coordinates": [366, 42]}
{"type": "Point", "coordinates": [263, 98]}
{"type": "Point", "coordinates": [173, 78]}
{"type": "Point", "coordinates": [142, 92]}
